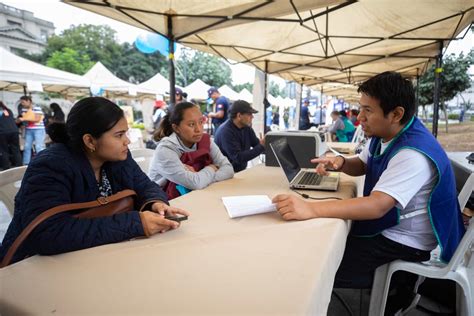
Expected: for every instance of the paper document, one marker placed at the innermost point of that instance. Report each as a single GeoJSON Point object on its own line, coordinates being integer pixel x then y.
{"type": "Point", "coordinates": [245, 205]}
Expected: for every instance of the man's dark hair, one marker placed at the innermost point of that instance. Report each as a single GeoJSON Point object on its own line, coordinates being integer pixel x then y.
{"type": "Point", "coordinates": [392, 90]}
{"type": "Point", "coordinates": [26, 98]}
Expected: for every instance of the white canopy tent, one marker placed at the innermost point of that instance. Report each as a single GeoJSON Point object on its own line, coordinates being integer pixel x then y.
{"type": "Point", "coordinates": [228, 92]}
{"type": "Point", "coordinates": [197, 90]}
{"type": "Point", "coordinates": [101, 78]}
{"type": "Point", "coordinates": [308, 41]}
{"type": "Point", "coordinates": [18, 74]}
{"type": "Point", "coordinates": [157, 83]}
{"type": "Point", "coordinates": [246, 95]}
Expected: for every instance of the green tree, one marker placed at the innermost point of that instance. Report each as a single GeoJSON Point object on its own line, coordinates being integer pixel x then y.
{"type": "Point", "coordinates": [454, 79]}
{"type": "Point", "coordinates": [274, 89]}
{"type": "Point", "coordinates": [194, 65]}
{"type": "Point", "coordinates": [134, 66]}
{"type": "Point", "coordinates": [97, 41]}
{"type": "Point", "coordinates": [242, 86]}
{"type": "Point", "coordinates": [69, 60]}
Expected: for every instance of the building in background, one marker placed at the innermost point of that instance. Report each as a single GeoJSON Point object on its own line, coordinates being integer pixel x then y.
{"type": "Point", "coordinates": [22, 32]}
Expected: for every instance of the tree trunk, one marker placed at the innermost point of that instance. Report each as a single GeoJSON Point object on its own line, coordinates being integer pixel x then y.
{"type": "Point", "coordinates": [445, 110]}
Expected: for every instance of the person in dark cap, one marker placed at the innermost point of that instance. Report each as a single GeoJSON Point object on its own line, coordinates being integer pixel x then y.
{"type": "Point", "coordinates": [236, 138]}
{"type": "Point", "coordinates": [304, 116]}
{"type": "Point", "coordinates": [221, 105]}
{"type": "Point", "coordinates": [180, 95]}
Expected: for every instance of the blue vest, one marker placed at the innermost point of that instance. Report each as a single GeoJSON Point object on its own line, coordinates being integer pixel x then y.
{"type": "Point", "coordinates": [443, 206]}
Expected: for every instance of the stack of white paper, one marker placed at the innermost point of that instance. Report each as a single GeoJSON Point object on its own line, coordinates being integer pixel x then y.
{"type": "Point", "coordinates": [244, 205]}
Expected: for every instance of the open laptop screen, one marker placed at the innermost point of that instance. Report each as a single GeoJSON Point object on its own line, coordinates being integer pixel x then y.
{"type": "Point", "coordinates": [285, 157]}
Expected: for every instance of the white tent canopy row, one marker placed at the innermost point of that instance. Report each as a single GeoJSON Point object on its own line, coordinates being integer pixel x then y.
{"type": "Point", "coordinates": [307, 41]}
{"type": "Point", "coordinates": [102, 78]}
{"type": "Point", "coordinates": [18, 74]}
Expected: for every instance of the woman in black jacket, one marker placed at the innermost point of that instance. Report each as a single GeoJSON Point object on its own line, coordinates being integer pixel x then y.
{"type": "Point", "coordinates": [89, 159]}
{"type": "Point", "coordinates": [10, 155]}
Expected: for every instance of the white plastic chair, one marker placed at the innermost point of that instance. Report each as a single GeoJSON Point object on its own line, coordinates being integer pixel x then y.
{"type": "Point", "coordinates": [358, 135]}
{"type": "Point", "coordinates": [142, 157]}
{"type": "Point", "coordinates": [10, 182]}
{"type": "Point", "coordinates": [459, 269]}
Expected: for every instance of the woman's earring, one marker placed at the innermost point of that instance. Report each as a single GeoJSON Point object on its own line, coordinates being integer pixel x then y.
{"type": "Point", "coordinates": [92, 150]}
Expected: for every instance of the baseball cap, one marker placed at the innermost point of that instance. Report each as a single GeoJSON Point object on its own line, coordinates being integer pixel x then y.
{"type": "Point", "coordinates": [211, 91]}
{"type": "Point", "coordinates": [241, 106]}
{"type": "Point", "coordinates": [178, 91]}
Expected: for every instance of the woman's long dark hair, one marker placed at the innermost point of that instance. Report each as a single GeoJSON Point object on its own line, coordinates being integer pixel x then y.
{"type": "Point", "coordinates": [94, 115]}
{"type": "Point", "coordinates": [173, 117]}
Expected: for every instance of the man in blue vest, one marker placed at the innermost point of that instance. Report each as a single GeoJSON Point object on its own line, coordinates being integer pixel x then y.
{"type": "Point", "coordinates": [410, 201]}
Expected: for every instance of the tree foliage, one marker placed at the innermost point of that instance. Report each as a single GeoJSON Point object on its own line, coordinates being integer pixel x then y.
{"type": "Point", "coordinates": [134, 66]}
{"type": "Point", "coordinates": [454, 79]}
{"type": "Point", "coordinates": [70, 60]}
{"type": "Point", "coordinates": [193, 65]}
{"type": "Point", "coordinates": [242, 86]}
{"type": "Point", "coordinates": [275, 90]}
{"type": "Point", "coordinates": [98, 42]}
{"type": "Point", "coordinates": [79, 47]}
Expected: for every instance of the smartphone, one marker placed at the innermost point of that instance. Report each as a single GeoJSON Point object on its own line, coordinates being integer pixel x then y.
{"type": "Point", "coordinates": [177, 217]}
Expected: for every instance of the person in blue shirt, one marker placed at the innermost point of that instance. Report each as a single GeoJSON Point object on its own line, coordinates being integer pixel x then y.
{"type": "Point", "coordinates": [221, 108]}
{"type": "Point", "coordinates": [409, 205]}
{"type": "Point", "coordinates": [236, 138]}
{"type": "Point", "coordinates": [304, 116]}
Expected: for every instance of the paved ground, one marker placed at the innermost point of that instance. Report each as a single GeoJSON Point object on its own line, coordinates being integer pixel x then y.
{"type": "Point", "coordinates": [459, 138]}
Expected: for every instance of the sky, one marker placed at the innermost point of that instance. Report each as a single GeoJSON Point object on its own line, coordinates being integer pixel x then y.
{"type": "Point", "coordinates": [63, 16]}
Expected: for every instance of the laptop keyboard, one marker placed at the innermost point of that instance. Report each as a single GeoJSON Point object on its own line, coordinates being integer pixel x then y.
{"type": "Point", "coordinates": [310, 178]}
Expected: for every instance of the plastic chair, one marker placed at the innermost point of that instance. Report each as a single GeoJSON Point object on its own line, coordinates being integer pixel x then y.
{"type": "Point", "coordinates": [459, 269]}
{"type": "Point", "coordinates": [142, 157]}
{"type": "Point", "coordinates": [358, 135]}
{"type": "Point", "coordinates": [10, 182]}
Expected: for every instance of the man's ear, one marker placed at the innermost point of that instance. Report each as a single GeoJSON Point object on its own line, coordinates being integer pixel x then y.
{"type": "Point", "coordinates": [398, 113]}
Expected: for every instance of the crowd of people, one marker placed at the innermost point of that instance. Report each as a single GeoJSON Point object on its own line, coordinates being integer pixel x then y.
{"type": "Point", "coordinates": [408, 208]}
{"type": "Point", "coordinates": [30, 126]}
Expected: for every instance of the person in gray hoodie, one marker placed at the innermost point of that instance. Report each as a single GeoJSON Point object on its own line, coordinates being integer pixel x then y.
{"type": "Point", "coordinates": [181, 135]}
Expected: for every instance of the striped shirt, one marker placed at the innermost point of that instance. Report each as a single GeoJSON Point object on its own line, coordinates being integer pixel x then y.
{"type": "Point", "coordinates": [32, 125]}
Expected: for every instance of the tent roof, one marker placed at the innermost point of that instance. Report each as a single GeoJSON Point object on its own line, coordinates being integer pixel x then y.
{"type": "Point", "coordinates": [246, 95]}
{"type": "Point", "coordinates": [158, 83]}
{"type": "Point", "coordinates": [308, 41]}
{"type": "Point", "coordinates": [100, 76]}
{"type": "Point", "coordinates": [197, 90]}
{"type": "Point", "coordinates": [16, 72]}
{"type": "Point", "coordinates": [227, 91]}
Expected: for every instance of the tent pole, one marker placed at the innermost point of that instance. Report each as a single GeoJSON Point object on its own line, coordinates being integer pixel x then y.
{"type": "Point", "coordinates": [417, 101]}
{"type": "Point", "coordinates": [171, 63]}
{"type": "Point", "coordinates": [438, 70]}
{"type": "Point", "coordinates": [300, 105]}
{"type": "Point", "coordinates": [265, 91]}
{"type": "Point", "coordinates": [321, 107]}
{"type": "Point", "coordinates": [24, 90]}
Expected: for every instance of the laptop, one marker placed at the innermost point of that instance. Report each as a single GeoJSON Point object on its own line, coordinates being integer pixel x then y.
{"type": "Point", "coordinates": [301, 178]}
